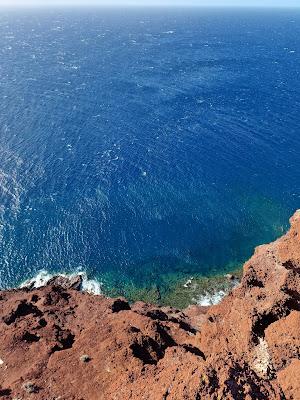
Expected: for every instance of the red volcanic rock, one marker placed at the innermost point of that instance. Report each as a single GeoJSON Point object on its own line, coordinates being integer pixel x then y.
{"type": "Point", "coordinates": [60, 343]}
{"type": "Point", "coordinates": [289, 380]}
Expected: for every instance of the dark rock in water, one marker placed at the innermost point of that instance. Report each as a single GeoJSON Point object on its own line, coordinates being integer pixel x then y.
{"type": "Point", "coordinates": [230, 277]}
{"type": "Point", "coordinates": [74, 282]}
{"type": "Point", "coordinates": [246, 347]}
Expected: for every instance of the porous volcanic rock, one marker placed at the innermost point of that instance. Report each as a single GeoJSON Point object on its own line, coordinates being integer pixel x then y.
{"type": "Point", "coordinates": [60, 343]}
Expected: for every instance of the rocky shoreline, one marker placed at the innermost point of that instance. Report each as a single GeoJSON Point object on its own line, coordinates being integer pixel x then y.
{"type": "Point", "coordinates": [58, 342]}
{"type": "Point", "coordinates": [198, 290]}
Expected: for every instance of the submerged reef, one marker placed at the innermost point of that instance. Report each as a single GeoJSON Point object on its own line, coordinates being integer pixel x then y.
{"type": "Point", "coordinates": [58, 342]}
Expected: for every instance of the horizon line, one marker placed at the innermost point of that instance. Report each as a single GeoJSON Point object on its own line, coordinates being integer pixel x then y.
{"type": "Point", "coordinates": [122, 6]}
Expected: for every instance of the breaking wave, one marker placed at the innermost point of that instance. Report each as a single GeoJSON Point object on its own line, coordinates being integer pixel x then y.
{"type": "Point", "coordinates": [43, 277]}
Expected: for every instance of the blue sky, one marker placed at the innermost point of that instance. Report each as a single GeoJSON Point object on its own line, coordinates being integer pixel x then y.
{"type": "Point", "coordinates": [269, 3]}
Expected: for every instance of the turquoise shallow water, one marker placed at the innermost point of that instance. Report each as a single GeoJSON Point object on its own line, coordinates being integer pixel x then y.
{"type": "Point", "coordinates": [145, 146]}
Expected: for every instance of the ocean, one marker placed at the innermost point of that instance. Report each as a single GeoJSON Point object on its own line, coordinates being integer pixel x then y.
{"type": "Point", "coordinates": [145, 146]}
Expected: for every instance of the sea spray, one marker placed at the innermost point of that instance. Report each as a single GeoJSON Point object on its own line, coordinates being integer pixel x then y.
{"type": "Point", "coordinates": [43, 277]}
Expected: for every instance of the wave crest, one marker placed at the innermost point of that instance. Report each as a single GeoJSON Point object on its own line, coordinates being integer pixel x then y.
{"type": "Point", "coordinates": [43, 277]}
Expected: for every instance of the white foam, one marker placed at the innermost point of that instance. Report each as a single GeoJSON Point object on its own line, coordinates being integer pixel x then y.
{"type": "Point", "coordinates": [91, 286]}
{"type": "Point", "coordinates": [213, 298]}
{"type": "Point", "coordinates": [188, 283]}
{"type": "Point", "coordinates": [210, 299]}
{"type": "Point", "coordinates": [42, 278]}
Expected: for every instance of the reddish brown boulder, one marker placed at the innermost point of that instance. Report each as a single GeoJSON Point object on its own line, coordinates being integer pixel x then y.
{"type": "Point", "coordinates": [289, 380]}
{"type": "Point", "coordinates": [60, 343]}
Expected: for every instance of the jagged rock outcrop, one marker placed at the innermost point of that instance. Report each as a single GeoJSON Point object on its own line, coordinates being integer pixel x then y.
{"type": "Point", "coordinates": [60, 343]}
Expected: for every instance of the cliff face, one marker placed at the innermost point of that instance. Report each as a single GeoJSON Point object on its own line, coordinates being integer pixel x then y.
{"type": "Point", "coordinates": [59, 343]}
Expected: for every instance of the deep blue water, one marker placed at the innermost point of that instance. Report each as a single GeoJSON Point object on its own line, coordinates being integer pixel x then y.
{"type": "Point", "coordinates": [144, 144]}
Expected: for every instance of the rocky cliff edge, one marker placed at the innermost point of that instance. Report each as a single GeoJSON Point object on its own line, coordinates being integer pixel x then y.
{"type": "Point", "coordinates": [60, 343]}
